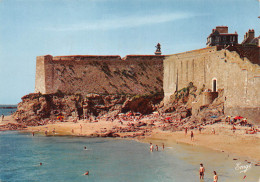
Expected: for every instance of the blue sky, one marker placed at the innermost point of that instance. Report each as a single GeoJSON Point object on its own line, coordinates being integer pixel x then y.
{"type": "Point", "coordinates": [30, 28]}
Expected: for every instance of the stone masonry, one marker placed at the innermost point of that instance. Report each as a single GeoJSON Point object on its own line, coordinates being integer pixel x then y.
{"type": "Point", "coordinates": [134, 74]}
{"type": "Point", "coordinates": [214, 69]}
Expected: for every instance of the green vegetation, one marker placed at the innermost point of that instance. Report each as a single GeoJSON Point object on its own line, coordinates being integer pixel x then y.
{"type": "Point", "coordinates": [186, 91]}
{"type": "Point", "coordinates": [202, 89]}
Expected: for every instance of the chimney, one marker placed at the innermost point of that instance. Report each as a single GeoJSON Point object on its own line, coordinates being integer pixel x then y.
{"type": "Point", "coordinates": [249, 36]}
{"type": "Point", "coordinates": [222, 29]}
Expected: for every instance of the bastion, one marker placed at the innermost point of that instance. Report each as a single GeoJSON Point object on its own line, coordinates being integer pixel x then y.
{"type": "Point", "coordinates": [111, 74]}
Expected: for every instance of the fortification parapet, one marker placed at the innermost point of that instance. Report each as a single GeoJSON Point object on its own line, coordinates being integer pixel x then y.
{"type": "Point", "coordinates": [103, 74]}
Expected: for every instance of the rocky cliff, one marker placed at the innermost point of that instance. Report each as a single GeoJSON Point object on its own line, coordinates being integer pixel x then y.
{"type": "Point", "coordinates": [37, 107]}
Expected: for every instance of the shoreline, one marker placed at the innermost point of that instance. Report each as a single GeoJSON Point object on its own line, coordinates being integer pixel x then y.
{"type": "Point", "coordinates": [224, 140]}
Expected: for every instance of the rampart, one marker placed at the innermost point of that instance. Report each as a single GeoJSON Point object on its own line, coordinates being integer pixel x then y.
{"type": "Point", "coordinates": [214, 69]}
{"type": "Point", "coordinates": [133, 74]}
{"type": "Point", "coordinates": [209, 68]}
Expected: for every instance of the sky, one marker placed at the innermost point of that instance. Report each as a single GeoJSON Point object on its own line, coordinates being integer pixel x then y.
{"type": "Point", "coordinates": [30, 28]}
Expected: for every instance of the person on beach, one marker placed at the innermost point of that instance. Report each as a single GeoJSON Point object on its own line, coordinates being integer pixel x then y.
{"type": "Point", "coordinates": [191, 136]}
{"type": "Point", "coordinates": [53, 131]}
{"type": "Point", "coordinates": [156, 147]}
{"type": "Point", "coordinates": [151, 147]}
{"type": "Point", "coordinates": [202, 170]}
{"type": "Point", "coordinates": [186, 131]}
{"type": "Point", "coordinates": [80, 128]}
{"type": "Point", "coordinates": [200, 129]}
{"type": "Point", "coordinates": [3, 116]}
{"type": "Point", "coordinates": [215, 177]}
{"type": "Point", "coordinates": [46, 133]}
{"type": "Point", "coordinates": [213, 131]}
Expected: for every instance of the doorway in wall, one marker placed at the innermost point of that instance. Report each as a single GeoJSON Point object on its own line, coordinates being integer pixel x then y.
{"type": "Point", "coordinates": [214, 85]}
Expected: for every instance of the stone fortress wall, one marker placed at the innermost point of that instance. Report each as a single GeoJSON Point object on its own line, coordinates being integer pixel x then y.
{"type": "Point", "coordinates": [238, 77]}
{"type": "Point", "coordinates": [211, 68]}
{"type": "Point", "coordinates": [134, 74]}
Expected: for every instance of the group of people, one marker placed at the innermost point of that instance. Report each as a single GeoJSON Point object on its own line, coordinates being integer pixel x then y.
{"type": "Point", "coordinates": [202, 171]}
{"type": "Point", "coordinates": [156, 147]}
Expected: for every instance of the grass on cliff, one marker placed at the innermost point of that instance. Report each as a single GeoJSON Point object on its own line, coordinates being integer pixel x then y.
{"type": "Point", "coordinates": [186, 91]}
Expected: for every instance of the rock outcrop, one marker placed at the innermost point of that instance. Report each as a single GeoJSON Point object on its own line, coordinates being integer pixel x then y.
{"type": "Point", "coordinates": [36, 107]}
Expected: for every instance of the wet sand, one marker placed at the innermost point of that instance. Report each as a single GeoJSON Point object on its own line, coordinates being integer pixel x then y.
{"type": "Point", "coordinates": [238, 144]}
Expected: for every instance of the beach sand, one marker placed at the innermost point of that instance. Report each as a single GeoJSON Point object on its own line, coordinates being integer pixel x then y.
{"type": "Point", "coordinates": [224, 140]}
{"type": "Point", "coordinates": [7, 119]}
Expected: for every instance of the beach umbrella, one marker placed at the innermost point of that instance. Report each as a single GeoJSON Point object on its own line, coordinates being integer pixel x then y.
{"type": "Point", "coordinates": [238, 117]}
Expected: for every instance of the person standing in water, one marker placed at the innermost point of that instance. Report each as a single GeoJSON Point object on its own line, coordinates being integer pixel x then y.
{"type": "Point", "coordinates": [3, 116]}
{"type": "Point", "coordinates": [156, 147]}
{"type": "Point", "coordinates": [202, 170]}
{"type": "Point", "coordinates": [151, 147]}
{"type": "Point", "coordinates": [215, 177]}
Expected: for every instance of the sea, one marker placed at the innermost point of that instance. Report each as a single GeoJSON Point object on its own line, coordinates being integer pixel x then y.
{"type": "Point", "coordinates": [111, 160]}
{"type": "Point", "coordinates": [7, 109]}
{"type": "Point", "coordinates": [64, 159]}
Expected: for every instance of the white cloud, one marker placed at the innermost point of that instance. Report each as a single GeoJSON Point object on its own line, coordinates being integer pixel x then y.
{"type": "Point", "coordinates": [124, 22]}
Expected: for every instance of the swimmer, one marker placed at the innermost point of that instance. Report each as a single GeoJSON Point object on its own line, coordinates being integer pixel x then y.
{"type": "Point", "coordinates": [86, 173]}
{"type": "Point", "coordinates": [85, 148]}
{"type": "Point", "coordinates": [40, 164]}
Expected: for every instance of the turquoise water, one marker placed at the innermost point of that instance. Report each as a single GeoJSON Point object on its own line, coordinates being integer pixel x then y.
{"type": "Point", "coordinates": [64, 159]}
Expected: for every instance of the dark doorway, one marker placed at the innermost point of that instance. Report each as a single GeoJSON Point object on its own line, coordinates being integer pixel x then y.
{"type": "Point", "coordinates": [214, 85]}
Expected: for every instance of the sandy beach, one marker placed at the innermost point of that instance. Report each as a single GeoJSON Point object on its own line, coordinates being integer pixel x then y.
{"type": "Point", "coordinates": [224, 140]}
{"type": "Point", "coordinates": [239, 143]}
